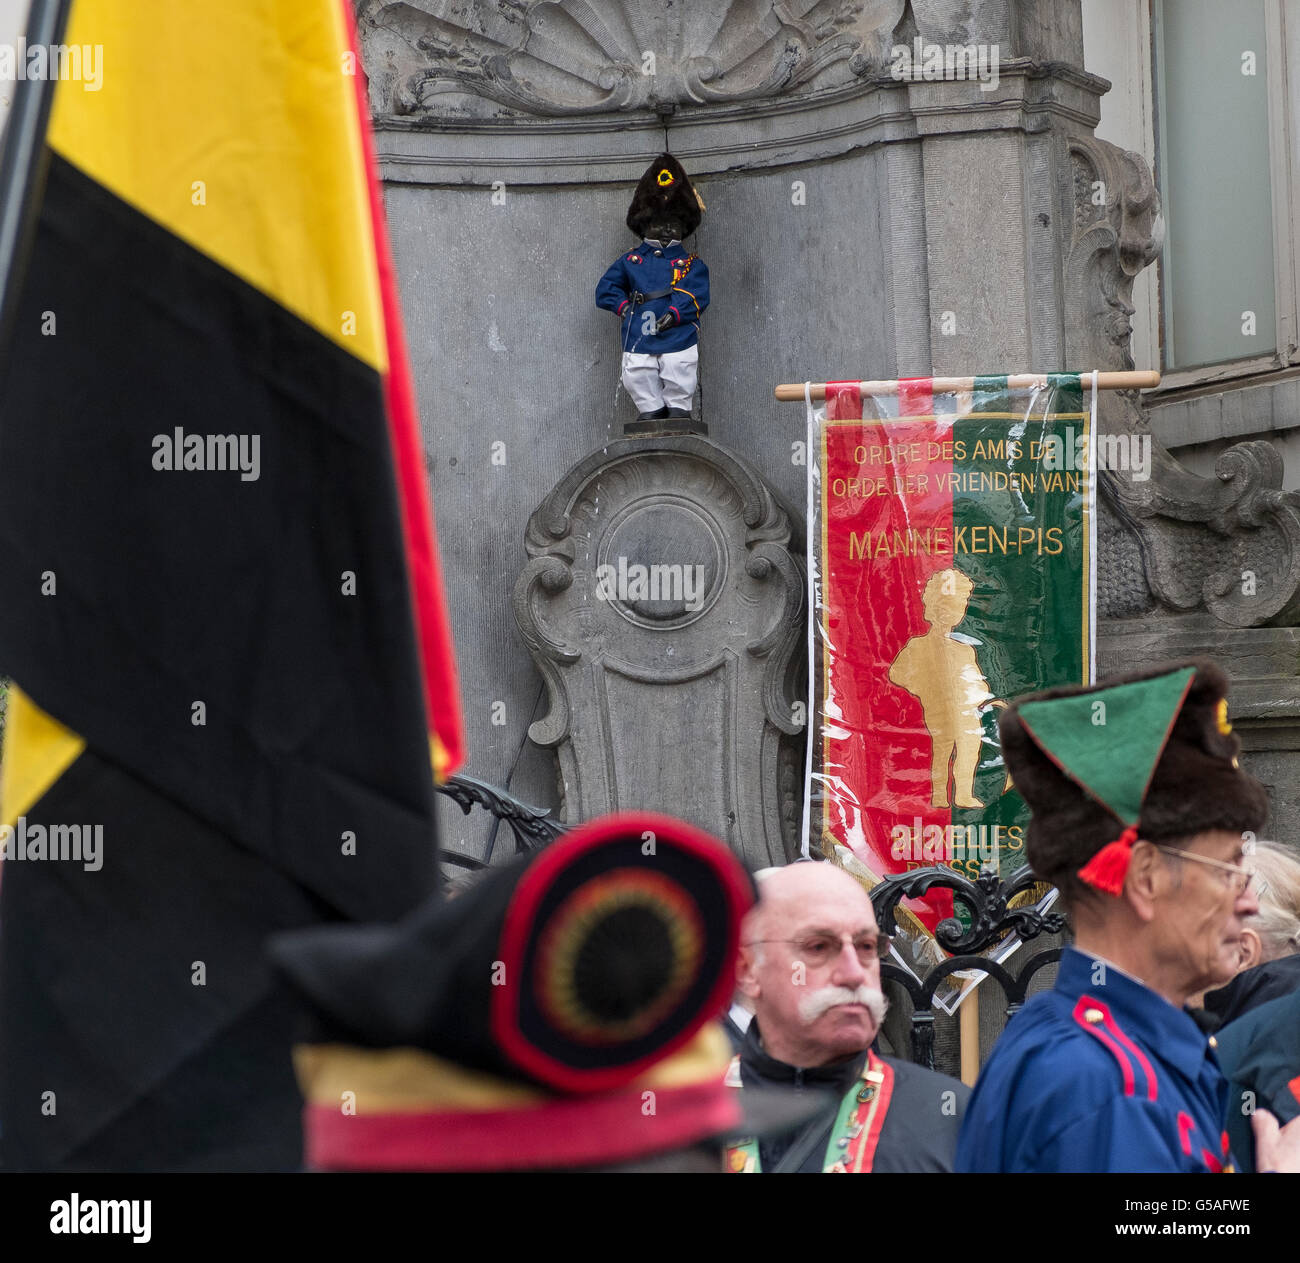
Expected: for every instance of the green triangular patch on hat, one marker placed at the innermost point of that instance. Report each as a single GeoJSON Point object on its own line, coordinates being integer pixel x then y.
{"type": "Point", "coordinates": [1109, 740]}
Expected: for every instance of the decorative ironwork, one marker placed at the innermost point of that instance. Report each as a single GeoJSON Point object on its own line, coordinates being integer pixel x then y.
{"type": "Point", "coordinates": [987, 899]}
{"type": "Point", "coordinates": [532, 826]}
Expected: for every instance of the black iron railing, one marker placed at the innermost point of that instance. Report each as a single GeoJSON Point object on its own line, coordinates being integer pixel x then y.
{"type": "Point", "coordinates": [992, 919]}
{"type": "Point", "coordinates": [532, 827]}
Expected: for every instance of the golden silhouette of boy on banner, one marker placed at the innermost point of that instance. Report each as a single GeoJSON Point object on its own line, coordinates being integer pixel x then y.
{"type": "Point", "coordinates": [942, 673]}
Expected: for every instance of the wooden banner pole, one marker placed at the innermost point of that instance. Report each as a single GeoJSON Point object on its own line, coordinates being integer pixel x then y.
{"type": "Point", "coordinates": [791, 392]}
{"type": "Point", "coordinates": [969, 1026]}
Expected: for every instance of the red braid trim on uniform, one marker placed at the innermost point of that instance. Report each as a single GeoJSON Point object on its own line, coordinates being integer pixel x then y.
{"type": "Point", "coordinates": [1108, 868]}
{"type": "Point", "coordinates": [1294, 1085]}
{"type": "Point", "coordinates": [1138, 1055]}
{"type": "Point", "coordinates": [1126, 1069]}
{"type": "Point", "coordinates": [1186, 1126]}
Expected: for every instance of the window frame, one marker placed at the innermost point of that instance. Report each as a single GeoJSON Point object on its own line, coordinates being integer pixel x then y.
{"type": "Point", "coordinates": [1281, 51]}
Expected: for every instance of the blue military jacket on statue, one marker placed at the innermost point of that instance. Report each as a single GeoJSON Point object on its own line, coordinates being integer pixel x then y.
{"type": "Point", "coordinates": [1098, 1074]}
{"type": "Point", "coordinates": [675, 274]}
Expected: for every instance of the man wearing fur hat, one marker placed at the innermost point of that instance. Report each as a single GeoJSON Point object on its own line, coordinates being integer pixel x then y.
{"type": "Point", "coordinates": [659, 291]}
{"type": "Point", "coordinates": [1139, 811]}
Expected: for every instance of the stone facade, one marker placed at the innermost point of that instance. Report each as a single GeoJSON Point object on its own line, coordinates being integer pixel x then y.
{"type": "Point", "coordinates": [858, 224]}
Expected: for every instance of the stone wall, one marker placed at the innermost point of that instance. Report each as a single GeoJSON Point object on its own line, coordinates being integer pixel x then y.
{"type": "Point", "coordinates": [508, 348]}
{"type": "Point", "coordinates": [847, 213]}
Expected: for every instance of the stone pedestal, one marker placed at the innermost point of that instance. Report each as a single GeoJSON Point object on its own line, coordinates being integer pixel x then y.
{"type": "Point", "coordinates": [664, 606]}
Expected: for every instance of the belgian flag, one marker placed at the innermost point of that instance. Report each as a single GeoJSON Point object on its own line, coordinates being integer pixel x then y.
{"type": "Point", "coordinates": [220, 601]}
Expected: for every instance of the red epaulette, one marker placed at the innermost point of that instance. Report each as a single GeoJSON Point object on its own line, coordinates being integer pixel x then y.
{"type": "Point", "coordinates": [1095, 1018]}
{"type": "Point", "coordinates": [634, 258]}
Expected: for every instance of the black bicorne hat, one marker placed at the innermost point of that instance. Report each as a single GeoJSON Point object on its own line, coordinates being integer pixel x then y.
{"type": "Point", "coordinates": [522, 1023]}
{"type": "Point", "coordinates": [665, 187]}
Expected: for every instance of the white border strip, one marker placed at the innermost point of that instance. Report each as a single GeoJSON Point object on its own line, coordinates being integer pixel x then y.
{"type": "Point", "coordinates": [810, 554]}
{"type": "Point", "coordinates": [1092, 536]}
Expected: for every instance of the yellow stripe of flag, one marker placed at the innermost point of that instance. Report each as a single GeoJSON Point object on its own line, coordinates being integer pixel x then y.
{"type": "Point", "coordinates": [37, 751]}
{"type": "Point", "coordinates": [221, 120]}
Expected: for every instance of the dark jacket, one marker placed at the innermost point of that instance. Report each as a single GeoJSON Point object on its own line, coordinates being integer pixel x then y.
{"type": "Point", "coordinates": [1253, 987]}
{"type": "Point", "coordinates": [1260, 1054]}
{"type": "Point", "coordinates": [921, 1126]}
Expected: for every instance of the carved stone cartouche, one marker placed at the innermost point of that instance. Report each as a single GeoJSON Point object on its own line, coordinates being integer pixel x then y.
{"type": "Point", "coordinates": [681, 698]}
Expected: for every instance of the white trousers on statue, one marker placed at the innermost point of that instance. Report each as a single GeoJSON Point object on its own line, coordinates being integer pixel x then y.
{"type": "Point", "coordinates": [658, 381]}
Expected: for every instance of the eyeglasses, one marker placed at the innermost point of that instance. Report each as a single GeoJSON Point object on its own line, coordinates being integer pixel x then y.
{"type": "Point", "coordinates": [821, 949]}
{"type": "Point", "coordinates": [1241, 877]}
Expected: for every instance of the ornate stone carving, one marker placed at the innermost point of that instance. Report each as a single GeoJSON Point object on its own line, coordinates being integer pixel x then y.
{"type": "Point", "coordinates": [1229, 544]}
{"type": "Point", "coordinates": [461, 59]}
{"type": "Point", "coordinates": [681, 698]}
{"type": "Point", "coordinates": [1118, 230]}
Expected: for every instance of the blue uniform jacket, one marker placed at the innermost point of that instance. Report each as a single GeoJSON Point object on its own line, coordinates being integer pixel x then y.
{"type": "Point", "coordinates": [1098, 1074]}
{"type": "Point", "coordinates": [648, 269]}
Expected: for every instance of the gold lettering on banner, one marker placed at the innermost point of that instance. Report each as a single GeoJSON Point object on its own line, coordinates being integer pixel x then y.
{"type": "Point", "coordinates": [890, 472]}
{"type": "Point", "coordinates": [910, 543]}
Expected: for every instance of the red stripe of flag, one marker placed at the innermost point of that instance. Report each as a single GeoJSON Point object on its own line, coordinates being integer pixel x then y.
{"type": "Point", "coordinates": [433, 629]}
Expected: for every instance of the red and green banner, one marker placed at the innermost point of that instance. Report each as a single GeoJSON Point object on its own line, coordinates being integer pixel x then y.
{"type": "Point", "coordinates": [952, 572]}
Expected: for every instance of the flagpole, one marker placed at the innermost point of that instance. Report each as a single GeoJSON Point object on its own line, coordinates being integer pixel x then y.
{"type": "Point", "coordinates": [24, 158]}
{"type": "Point", "coordinates": [790, 392]}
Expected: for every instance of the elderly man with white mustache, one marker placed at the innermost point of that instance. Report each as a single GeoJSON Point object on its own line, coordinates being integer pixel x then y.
{"type": "Point", "coordinates": [810, 967]}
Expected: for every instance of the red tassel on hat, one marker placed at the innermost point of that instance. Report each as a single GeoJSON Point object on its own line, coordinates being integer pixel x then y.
{"type": "Point", "coordinates": [1108, 868]}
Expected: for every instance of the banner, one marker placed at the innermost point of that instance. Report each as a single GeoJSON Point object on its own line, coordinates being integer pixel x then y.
{"type": "Point", "coordinates": [952, 569]}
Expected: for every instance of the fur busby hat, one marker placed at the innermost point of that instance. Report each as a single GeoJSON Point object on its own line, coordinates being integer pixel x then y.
{"type": "Point", "coordinates": [520, 1024]}
{"type": "Point", "coordinates": [665, 187]}
{"type": "Point", "coordinates": [1149, 756]}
